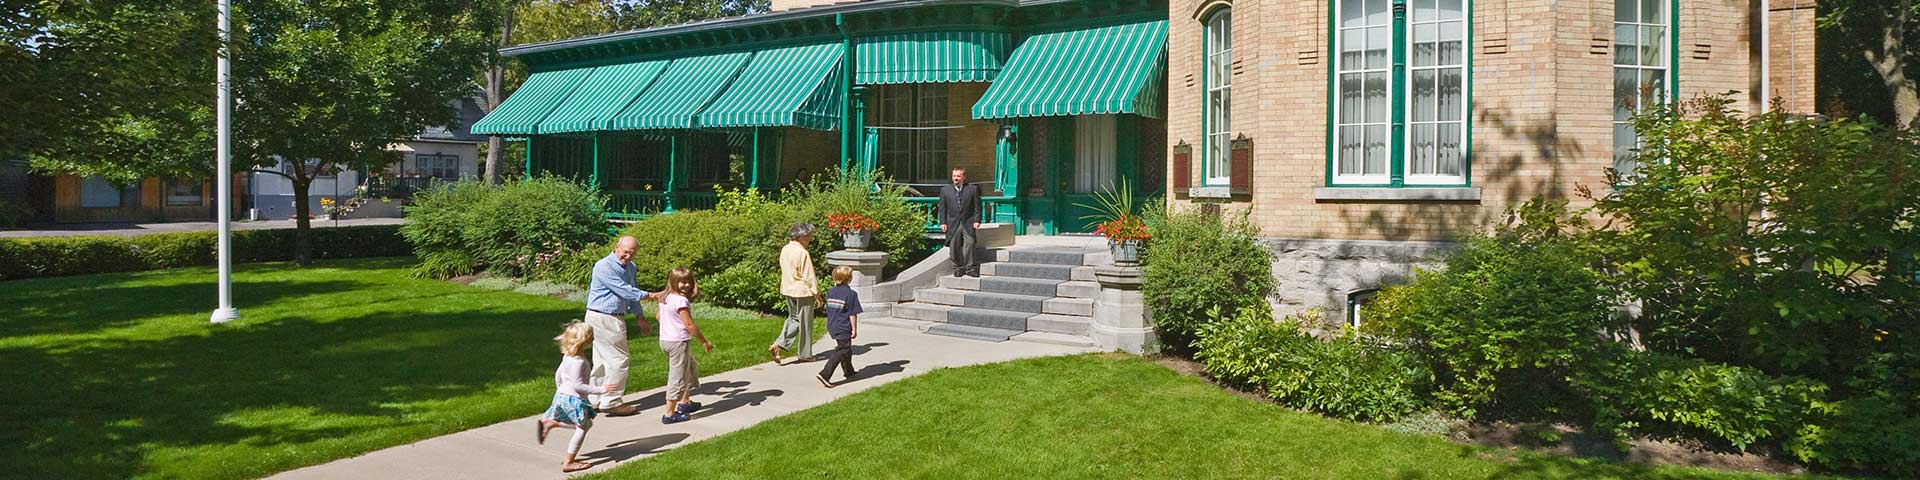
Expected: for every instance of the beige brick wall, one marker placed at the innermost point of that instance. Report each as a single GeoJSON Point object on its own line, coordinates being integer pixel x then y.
{"type": "Point", "coordinates": [1540, 107]}
{"type": "Point", "coordinates": [1791, 37]}
{"type": "Point", "coordinates": [807, 152]}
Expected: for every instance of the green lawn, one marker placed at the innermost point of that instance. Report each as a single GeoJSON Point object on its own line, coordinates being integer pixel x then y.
{"type": "Point", "coordinates": [1088, 416]}
{"type": "Point", "coordinates": [117, 376]}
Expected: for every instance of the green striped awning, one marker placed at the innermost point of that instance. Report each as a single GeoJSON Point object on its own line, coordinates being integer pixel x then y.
{"type": "Point", "coordinates": [791, 86]}
{"type": "Point", "coordinates": [522, 112]}
{"type": "Point", "coordinates": [687, 86]}
{"type": "Point", "coordinates": [601, 95]}
{"type": "Point", "coordinates": [930, 57]}
{"type": "Point", "coordinates": [1103, 70]}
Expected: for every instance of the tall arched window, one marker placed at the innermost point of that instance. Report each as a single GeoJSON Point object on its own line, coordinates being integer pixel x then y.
{"type": "Point", "coordinates": [1217, 111]}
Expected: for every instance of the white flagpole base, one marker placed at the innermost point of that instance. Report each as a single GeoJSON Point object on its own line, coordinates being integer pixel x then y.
{"type": "Point", "coordinates": [225, 315]}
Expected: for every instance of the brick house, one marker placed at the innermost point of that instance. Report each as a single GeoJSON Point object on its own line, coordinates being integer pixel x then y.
{"type": "Point", "coordinates": [1363, 134]}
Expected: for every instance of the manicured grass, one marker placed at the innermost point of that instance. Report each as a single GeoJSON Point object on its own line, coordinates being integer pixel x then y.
{"type": "Point", "coordinates": [120, 375]}
{"type": "Point", "coordinates": [1089, 416]}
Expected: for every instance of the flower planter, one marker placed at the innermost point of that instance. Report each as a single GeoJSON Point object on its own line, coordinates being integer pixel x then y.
{"type": "Point", "coordinates": [1125, 252]}
{"type": "Point", "coordinates": [857, 240]}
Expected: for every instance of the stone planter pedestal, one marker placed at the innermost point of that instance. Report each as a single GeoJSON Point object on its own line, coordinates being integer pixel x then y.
{"type": "Point", "coordinates": [867, 266]}
{"type": "Point", "coordinates": [1119, 316]}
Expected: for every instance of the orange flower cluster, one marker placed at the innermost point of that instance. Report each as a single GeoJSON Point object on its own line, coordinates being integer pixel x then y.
{"type": "Point", "coordinates": [851, 222]}
{"type": "Point", "coordinates": [1127, 227]}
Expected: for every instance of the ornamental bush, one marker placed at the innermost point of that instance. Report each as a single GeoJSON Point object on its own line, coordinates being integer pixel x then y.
{"type": "Point", "coordinates": [512, 229]}
{"type": "Point", "coordinates": [1504, 324]}
{"type": "Point", "coordinates": [59, 256]}
{"type": "Point", "coordinates": [1340, 377]}
{"type": "Point", "coordinates": [1197, 262]}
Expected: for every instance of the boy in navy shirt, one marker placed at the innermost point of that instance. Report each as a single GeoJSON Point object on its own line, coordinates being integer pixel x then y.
{"type": "Point", "coordinates": [843, 324]}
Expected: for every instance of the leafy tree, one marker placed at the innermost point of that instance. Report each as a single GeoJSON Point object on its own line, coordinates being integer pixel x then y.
{"type": "Point", "coordinates": [335, 83]}
{"type": "Point", "coordinates": [112, 89]}
{"type": "Point", "coordinates": [1772, 241]}
{"type": "Point", "coordinates": [1866, 62]}
{"type": "Point", "coordinates": [526, 21]}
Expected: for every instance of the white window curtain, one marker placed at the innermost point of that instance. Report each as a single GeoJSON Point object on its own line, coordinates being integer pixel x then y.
{"type": "Point", "coordinates": [1434, 151]}
{"type": "Point", "coordinates": [1640, 60]}
{"type": "Point", "coordinates": [1094, 151]}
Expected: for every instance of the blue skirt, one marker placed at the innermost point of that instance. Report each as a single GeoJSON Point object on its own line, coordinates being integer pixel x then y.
{"type": "Point", "coordinates": [569, 409]}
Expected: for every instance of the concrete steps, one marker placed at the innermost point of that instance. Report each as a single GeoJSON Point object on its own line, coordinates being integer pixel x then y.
{"type": "Point", "coordinates": [1036, 293]}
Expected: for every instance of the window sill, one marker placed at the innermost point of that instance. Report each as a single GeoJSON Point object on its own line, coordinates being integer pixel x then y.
{"type": "Point", "coordinates": [1219, 191]}
{"type": "Point", "coordinates": [1410, 194]}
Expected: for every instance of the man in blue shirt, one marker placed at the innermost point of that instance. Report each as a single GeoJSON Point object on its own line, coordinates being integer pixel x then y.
{"type": "Point", "coordinates": [610, 295]}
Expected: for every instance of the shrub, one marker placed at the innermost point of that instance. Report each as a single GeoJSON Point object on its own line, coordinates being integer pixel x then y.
{"type": "Point", "coordinates": [902, 231]}
{"type": "Point", "coordinates": [1671, 396]}
{"type": "Point", "coordinates": [1769, 240]}
{"type": "Point", "coordinates": [1503, 324]}
{"type": "Point", "coordinates": [510, 229]}
{"type": "Point", "coordinates": [1866, 435]}
{"type": "Point", "coordinates": [58, 256]}
{"type": "Point", "coordinates": [1198, 262]}
{"type": "Point", "coordinates": [1342, 377]}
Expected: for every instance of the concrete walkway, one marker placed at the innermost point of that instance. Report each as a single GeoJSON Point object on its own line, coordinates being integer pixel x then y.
{"type": "Point", "coordinates": [733, 400]}
{"type": "Point", "coordinates": [124, 229]}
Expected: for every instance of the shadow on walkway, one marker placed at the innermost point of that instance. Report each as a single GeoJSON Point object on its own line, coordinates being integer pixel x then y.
{"type": "Point", "coordinates": [876, 370]}
{"type": "Point", "coordinates": [626, 450]}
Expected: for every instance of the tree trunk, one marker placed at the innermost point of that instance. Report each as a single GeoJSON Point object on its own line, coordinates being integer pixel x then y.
{"type": "Point", "coordinates": [1890, 62]}
{"type": "Point", "coordinates": [496, 76]}
{"type": "Point", "coordinates": [302, 242]}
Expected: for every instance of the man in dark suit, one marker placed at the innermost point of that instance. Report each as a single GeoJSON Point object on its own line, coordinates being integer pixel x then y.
{"type": "Point", "coordinates": [959, 216]}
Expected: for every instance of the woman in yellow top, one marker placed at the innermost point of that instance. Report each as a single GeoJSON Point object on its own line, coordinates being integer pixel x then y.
{"type": "Point", "coordinates": [799, 285]}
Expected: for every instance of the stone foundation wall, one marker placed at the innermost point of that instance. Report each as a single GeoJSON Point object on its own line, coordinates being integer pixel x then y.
{"type": "Point", "coordinates": [1316, 276]}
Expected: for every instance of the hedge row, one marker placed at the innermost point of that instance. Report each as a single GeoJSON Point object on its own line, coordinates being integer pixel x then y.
{"type": "Point", "coordinates": [60, 256]}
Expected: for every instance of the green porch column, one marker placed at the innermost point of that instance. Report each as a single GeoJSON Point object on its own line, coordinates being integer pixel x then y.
{"type": "Point", "coordinates": [526, 168]}
{"type": "Point", "coordinates": [1007, 168]}
{"type": "Point", "coordinates": [858, 119]}
{"type": "Point", "coordinates": [593, 178]}
{"type": "Point", "coordinates": [847, 122]}
{"type": "Point", "coordinates": [1398, 138]}
{"type": "Point", "coordinates": [753, 169]}
{"type": "Point", "coordinates": [673, 170]}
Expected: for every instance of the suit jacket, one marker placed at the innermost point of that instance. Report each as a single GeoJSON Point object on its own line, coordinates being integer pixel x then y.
{"type": "Point", "coordinates": [959, 207]}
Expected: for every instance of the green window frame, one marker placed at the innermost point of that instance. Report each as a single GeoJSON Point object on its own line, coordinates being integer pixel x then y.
{"type": "Point", "coordinates": [1646, 57]}
{"type": "Point", "coordinates": [1399, 93]}
{"type": "Point", "coordinates": [1216, 104]}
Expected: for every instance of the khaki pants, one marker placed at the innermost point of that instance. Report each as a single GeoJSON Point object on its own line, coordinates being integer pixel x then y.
{"type": "Point", "coordinates": [799, 327]}
{"type": "Point", "coordinates": [683, 372]}
{"type": "Point", "coordinates": [609, 358]}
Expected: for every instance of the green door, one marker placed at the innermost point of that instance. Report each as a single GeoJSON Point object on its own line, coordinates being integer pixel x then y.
{"type": "Point", "coordinates": [1100, 154]}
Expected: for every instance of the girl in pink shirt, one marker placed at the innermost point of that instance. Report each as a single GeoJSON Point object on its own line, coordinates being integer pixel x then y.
{"type": "Point", "coordinates": [676, 332]}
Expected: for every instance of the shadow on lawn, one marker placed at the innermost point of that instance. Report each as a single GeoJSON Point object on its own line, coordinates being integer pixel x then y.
{"type": "Point", "coordinates": [91, 408]}
{"type": "Point", "coordinates": [59, 309]}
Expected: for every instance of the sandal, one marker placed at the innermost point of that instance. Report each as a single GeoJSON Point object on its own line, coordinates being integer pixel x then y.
{"type": "Point", "coordinates": [540, 432]}
{"type": "Point", "coordinates": [775, 352]}
{"type": "Point", "coordinates": [575, 467]}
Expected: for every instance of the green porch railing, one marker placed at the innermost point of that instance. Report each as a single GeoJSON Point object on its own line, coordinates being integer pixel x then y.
{"type": "Point", "coordinates": [638, 204]}
{"type": "Point", "coordinates": [992, 209]}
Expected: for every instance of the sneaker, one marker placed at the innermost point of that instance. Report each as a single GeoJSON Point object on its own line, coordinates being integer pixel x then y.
{"type": "Point", "coordinates": [666, 420]}
{"type": "Point", "coordinates": [687, 408]}
{"type": "Point", "coordinates": [823, 381]}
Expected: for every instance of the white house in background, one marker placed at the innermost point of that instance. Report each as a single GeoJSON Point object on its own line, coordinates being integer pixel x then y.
{"type": "Point", "coordinates": [446, 153]}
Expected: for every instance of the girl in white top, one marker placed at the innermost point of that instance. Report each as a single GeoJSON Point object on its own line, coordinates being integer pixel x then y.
{"type": "Point", "coordinates": [676, 331]}
{"type": "Point", "coordinates": [570, 408]}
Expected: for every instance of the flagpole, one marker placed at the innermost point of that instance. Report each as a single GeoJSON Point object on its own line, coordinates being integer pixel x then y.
{"type": "Point", "coordinates": [223, 174]}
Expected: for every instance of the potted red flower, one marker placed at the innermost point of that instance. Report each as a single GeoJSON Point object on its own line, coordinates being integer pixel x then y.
{"type": "Point", "coordinates": [1125, 230]}
{"type": "Point", "coordinates": [1125, 235]}
{"type": "Point", "coordinates": [856, 230]}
